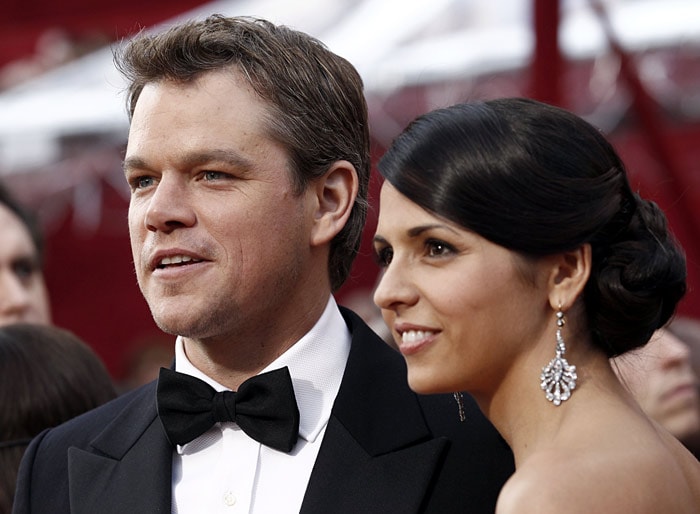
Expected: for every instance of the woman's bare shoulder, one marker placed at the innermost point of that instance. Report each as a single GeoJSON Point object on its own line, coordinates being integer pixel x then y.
{"type": "Point", "coordinates": [629, 477]}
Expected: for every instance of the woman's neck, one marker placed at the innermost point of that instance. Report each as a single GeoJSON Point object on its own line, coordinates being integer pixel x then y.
{"type": "Point", "coordinates": [526, 419]}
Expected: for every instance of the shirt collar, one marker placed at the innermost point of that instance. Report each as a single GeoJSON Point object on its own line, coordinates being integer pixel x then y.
{"type": "Point", "coordinates": [316, 363]}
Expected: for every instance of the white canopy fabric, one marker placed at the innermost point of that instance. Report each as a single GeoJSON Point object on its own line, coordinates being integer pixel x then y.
{"type": "Point", "coordinates": [393, 43]}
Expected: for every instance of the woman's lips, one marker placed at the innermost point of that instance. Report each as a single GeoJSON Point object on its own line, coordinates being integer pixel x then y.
{"type": "Point", "coordinates": [413, 341]}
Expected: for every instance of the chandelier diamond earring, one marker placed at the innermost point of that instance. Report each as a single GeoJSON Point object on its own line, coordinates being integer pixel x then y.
{"type": "Point", "coordinates": [558, 378]}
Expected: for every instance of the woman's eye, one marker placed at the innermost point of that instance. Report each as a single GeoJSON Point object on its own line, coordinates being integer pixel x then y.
{"type": "Point", "coordinates": [25, 268]}
{"type": "Point", "coordinates": [383, 256]}
{"type": "Point", "coordinates": [438, 248]}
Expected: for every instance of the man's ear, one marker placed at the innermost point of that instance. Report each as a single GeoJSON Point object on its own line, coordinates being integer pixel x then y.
{"type": "Point", "coordinates": [568, 277]}
{"type": "Point", "coordinates": [335, 194]}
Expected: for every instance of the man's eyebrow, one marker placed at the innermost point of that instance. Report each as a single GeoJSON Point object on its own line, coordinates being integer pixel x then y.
{"type": "Point", "coordinates": [133, 163]}
{"type": "Point", "coordinates": [224, 156]}
{"type": "Point", "coordinates": [189, 160]}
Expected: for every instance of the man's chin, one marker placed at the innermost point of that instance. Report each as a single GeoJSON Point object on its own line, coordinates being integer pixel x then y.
{"type": "Point", "coordinates": [196, 328]}
{"type": "Point", "coordinates": [176, 325]}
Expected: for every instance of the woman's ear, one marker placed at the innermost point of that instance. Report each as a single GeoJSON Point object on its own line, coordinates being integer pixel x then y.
{"type": "Point", "coordinates": [568, 277]}
{"type": "Point", "coordinates": [335, 194]}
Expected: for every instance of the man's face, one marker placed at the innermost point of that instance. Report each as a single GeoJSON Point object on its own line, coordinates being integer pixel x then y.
{"type": "Point", "coordinates": [23, 295]}
{"type": "Point", "coordinates": [219, 239]}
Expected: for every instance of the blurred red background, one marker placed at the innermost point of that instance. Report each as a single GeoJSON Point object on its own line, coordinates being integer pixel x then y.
{"type": "Point", "coordinates": [89, 271]}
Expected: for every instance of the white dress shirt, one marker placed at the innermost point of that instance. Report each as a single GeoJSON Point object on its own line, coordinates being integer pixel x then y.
{"type": "Point", "coordinates": [225, 471]}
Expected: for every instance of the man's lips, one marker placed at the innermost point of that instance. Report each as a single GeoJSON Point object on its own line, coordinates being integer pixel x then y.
{"type": "Point", "coordinates": [175, 260]}
{"type": "Point", "coordinates": [167, 259]}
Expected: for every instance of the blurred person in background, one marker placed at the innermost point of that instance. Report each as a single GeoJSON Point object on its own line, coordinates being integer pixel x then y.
{"type": "Point", "coordinates": [687, 329]}
{"type": "Point", "coordinates": [47, 376]}
{"type": "Point", "coordinates": [662, 380]}
{"type": "Point", "coordinates": [23, 293]}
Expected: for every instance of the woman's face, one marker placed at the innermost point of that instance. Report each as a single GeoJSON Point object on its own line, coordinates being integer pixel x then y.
{"type": "Point", "coordinates": [23, 293]}
{"type": "Point", "coordinates": [461, 308]}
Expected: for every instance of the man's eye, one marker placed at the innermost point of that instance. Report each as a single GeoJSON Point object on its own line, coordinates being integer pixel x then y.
{"type": "Point", "coordinates": [142, 182]}
{"type": "Point", "coordinates": [213, 175]}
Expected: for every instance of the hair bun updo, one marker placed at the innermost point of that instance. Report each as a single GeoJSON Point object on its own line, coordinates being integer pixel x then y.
{"type": "Point", "coordinates": [636, 281]}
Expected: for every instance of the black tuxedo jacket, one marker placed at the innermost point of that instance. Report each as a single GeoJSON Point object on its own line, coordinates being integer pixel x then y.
{"type": "Point", "coordinates": [385, 450]}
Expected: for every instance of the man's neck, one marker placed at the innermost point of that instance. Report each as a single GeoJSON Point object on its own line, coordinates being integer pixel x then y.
{"type": "Point", "coordinates": [230, 360]}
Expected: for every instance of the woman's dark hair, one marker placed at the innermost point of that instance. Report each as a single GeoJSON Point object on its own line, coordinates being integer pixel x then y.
{"type": "Point", "coordinates": [539, 180]}
{"type": "Point", "coordinates": [47, 376]}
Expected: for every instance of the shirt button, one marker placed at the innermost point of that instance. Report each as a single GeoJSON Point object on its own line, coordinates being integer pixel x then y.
{"type": "Point", "coordinates": [229, 499]}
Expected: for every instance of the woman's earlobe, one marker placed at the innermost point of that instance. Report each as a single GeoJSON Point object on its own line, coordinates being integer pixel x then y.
{"type": "Point", "coordinates": [570, 274]}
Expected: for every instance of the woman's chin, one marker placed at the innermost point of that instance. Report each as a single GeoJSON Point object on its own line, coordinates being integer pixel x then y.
{"type": "Point", "coordinates": [422, 384]}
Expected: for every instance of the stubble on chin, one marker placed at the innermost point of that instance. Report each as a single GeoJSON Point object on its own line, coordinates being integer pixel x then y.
{"type": "Point", "coordinates": [195, 323]}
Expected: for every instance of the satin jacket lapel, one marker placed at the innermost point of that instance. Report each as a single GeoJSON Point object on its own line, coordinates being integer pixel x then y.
{"type": "Point", "coordinates": [129, 466]}
{"type": "Point", "coordinates": [377, 454]}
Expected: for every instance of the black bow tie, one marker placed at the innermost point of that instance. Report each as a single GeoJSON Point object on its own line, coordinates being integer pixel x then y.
{"type": "Point", "coordinates": [264, 407]}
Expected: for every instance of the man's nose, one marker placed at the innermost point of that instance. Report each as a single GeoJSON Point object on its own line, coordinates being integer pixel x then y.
{"type": "Point", "coordinates": [168, 207]}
